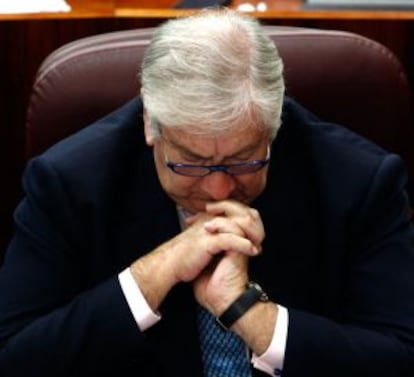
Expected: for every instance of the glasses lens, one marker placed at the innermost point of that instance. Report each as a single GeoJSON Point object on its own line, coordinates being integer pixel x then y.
{"type": "Point", "coordinates": [201, 171]}
{"type": "Point", "coordinates": [247, 168]}
{"type": "Point", "coordinates": [192, 171]}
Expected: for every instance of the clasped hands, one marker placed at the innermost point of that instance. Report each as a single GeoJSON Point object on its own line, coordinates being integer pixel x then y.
{"type": "Point", "coordinates": [226, 235]}
{"type": "Point", "coordinates": [212, 252]}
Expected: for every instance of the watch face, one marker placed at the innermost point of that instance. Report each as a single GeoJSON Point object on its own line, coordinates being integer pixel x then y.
{"type": "Point", "coordinates": [253, 284]}
{"type": "Point", "coordinates": [263, 296]}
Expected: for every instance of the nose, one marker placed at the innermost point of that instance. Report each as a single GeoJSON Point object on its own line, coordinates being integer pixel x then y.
{"type": "Point", "coordinates": [218, 185]}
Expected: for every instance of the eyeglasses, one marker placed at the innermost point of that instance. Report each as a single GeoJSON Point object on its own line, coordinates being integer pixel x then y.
{"type": "Point", "coordinates": [231, 169]}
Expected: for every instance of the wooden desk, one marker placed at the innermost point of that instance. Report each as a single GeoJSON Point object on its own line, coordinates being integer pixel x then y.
{"type": "Point", "coordinates": [26, 39]}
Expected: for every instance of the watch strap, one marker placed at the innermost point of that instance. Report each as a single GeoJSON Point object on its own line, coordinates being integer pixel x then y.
{"type": "Point", "coordinates": [253, 294]}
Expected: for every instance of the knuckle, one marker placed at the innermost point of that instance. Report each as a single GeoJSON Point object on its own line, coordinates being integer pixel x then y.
{"type": "Point", "coordinates": [254, 213]}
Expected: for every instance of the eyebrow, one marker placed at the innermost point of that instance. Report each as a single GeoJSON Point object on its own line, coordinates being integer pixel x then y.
{"type": "Point", "coordinates": [186, 151]}
{"type": "Point", "coordinates": [183, 149]}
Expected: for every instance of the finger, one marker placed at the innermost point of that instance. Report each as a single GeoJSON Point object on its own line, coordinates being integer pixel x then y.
{"type": "Point", "coordinates": [223, 225]}
{"type": "Point", "coordinates": [252, 225]}
{"type": "Point", "coordinates": [231, 242]}
{"type": "Point", "coordinates": [225, 208]}
{"type": "Point", "coordinates": [247, 218]}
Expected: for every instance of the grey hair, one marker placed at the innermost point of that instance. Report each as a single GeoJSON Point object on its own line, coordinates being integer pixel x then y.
{"type": "Point", "coordinates": [211, 72]}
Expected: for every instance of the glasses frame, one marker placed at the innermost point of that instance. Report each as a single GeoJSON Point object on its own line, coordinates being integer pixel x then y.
{"type": "Point", "coordinates": [256, 165]}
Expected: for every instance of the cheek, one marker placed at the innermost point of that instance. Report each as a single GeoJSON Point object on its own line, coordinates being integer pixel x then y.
{"type": "Point", "coordinates": [250, 188]}
{"type": "Point", "coordinates": [181, 184]}
{"type": "Point", "coordinates": [175, 184]}
{"type": "Point", "coordinates": [255, 184]}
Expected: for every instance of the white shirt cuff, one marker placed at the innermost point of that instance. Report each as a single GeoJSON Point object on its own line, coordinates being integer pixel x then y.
{"type": "Point", "coordinates": [142, 312]}
{"type": "Point", "coordinates": [271, 361]}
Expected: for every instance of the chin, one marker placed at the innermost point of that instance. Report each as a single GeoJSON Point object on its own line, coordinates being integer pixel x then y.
{"type": "Point", "coordinates": [199, 205]}
{"type": "Point", "coordinates": [195, 208]}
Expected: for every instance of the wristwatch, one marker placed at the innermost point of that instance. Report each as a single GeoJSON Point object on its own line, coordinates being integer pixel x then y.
{"type": "Point", "coordinates": [253, 294]}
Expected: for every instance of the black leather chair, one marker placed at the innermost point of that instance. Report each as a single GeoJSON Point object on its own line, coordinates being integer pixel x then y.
{"type": "Point", "coordinates": [340, 76]}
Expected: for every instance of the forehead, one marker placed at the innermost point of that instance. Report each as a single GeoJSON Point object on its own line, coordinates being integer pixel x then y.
{"type": "Point", "coordinates": [223, 145]}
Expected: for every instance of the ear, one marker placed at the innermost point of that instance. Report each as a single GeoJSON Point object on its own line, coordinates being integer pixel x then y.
{"type": "Point", "coordinates": [149, 136]}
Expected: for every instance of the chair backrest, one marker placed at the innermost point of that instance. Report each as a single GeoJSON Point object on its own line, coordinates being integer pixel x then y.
{"type": "Point", "coordinates": [340, 76]}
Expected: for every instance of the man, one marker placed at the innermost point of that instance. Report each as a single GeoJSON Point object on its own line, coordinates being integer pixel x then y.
{"type": "Point", "coordinates": [150, 222]}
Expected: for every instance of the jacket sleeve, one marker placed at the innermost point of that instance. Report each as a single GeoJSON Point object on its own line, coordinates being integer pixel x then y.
{"type": "Point", "coordinates": [50, 325]}
{"type": "Point", "coordinates": [375, 334]}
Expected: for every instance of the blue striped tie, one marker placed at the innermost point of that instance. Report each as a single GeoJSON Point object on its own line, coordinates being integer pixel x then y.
{"type": "Point", "coordinates": [224, 353]}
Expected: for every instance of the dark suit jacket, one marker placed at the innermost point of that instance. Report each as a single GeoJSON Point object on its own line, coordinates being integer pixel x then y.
{"type": "Point", "coordinates": [339, 253]}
